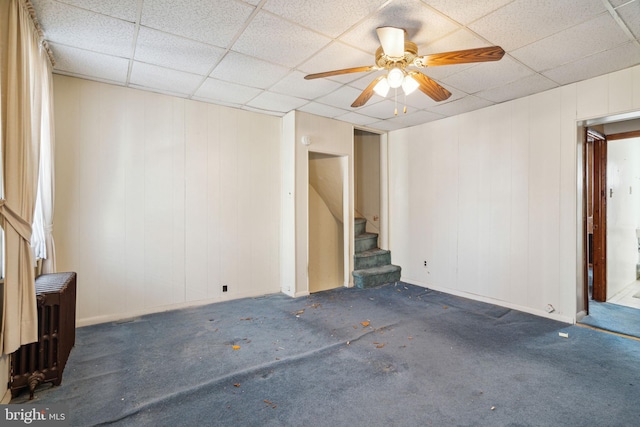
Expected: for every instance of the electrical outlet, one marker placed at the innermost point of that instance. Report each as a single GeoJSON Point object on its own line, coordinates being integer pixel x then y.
{"type": "Point", "coordinates": [224, 288]}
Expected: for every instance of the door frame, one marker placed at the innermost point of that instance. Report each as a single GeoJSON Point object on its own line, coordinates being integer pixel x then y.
{"type": "Point", "coordinates": [598, 173]}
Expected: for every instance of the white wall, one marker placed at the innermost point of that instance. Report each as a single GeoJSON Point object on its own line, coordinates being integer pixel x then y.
{"type": "Point", "coordinates": [160, 201]}
{"type": "Point", "coordinates": [623, 212]}
{"type": "Point", "coordinates": [490, 199]}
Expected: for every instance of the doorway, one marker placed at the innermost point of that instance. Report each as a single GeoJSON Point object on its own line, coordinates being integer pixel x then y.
{"type": "Point", "coordinates": [328, 243]}
{"type": "Point", "coordinates": [612, 214]}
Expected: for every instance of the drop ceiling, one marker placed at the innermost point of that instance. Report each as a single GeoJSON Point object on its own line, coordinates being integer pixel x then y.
{"type": "Point", "coordinates": [254, 54]}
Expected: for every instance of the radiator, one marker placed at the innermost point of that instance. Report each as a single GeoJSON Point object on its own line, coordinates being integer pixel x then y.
{"type": "Point", "coordinates": [44, 361]}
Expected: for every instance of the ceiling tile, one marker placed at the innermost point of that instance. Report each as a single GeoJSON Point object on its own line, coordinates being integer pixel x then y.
{"type": "Point", "coordinates": [71, 26]}
{"type": "Point", "coordinates": [332, 19]}
{"type": "Point", "coordinates": [596, 35]}
{"type": "Point", "coordinates": [122, 9]}
{"type": "Point", "coordinates": [356, 118]}
{"type": "Point", "coordinates": [630, 14]}
{"type": "Point", "coordinates": [420, 101]}
{"type": "Point", "coordinates": [248, 71]}
{"type": "Point", "coordinates": [386, 125]}
{"type": "Point", "coordinates": [276, 40]}
{"type": "Point", "coordinates": [163, 79]}
{"type": "Point", "coordinates": [341, 98]}
{"type": "Point", "coordinates": [487, 75]}
{"type": "Point", "coordinates": [295, 85]}
{"type": "Point", "coordinates": [459, 106]}
{"type": "Point", "coordinates": [415, 118]}
{"type": "Point", "coordinates": [422, 24]}
{"type": "Point", "coordinates": [214, 22]}
{"type": "Point", "coordinates": [337, 56]}
{"type": "Point", "coordinates": [322, 110]}
{"type": "Point", "coordinates": [217, 90]}
{"type": "Point", "coordinates": [621, 57]}
{"type": "Point", "coordinates": [167, 50]}
{"type": "Point", "coordinates": [85, 63]}
{"type": "Point", "coordinates": [525, 21]}
{"type": "Point", "coordinates": [276, 103]}
{"type": "Point", "coordinates": [517, 89]}
{"type": "Point", "coordinates": [465, 11]}
{"type": "Point", "coordinates": [384, 109]}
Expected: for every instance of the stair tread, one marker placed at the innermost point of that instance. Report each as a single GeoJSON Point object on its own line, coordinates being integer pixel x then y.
{"type": "Point", "coordinates": [371, 252]}
{"type": "Point", "coordinates": [389, 268]}
{"type": "Point", "coordinates": [367, 236]}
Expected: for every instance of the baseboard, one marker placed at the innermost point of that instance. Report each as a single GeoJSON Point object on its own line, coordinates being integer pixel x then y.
{"type": "Point", "coordinates": [117, 317]}
{"type": "Point", "coordinates": [529, 310]}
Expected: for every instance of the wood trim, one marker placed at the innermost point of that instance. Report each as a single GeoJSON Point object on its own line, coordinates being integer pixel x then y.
{"type": "Point", "coordinates": [624, 135]}
{"type": "Point", "coordinates": [599, 217]}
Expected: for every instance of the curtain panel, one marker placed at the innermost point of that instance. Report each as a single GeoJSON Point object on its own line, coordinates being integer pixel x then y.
{"type": "Point", "coordinates": [24, 85]}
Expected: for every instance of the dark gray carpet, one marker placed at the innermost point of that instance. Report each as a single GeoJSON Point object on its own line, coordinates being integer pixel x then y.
{"type": "Point", "coordinates": [613, 317]}
{"type": "Point", "coordinates": [423, 359]}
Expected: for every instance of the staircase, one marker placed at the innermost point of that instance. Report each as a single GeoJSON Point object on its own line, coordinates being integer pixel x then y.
{"type": "Point", "coordinates": [372, 265]}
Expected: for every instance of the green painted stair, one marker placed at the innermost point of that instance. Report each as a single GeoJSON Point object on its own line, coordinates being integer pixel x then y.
{"type": "Point", "coordinates": [372, 265]}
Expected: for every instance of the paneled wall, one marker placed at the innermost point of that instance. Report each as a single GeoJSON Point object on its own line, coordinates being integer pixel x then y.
{"type": "Point", "coordinates": [161, 201]}
{"type": "Point", "coordinates": [491, 199]}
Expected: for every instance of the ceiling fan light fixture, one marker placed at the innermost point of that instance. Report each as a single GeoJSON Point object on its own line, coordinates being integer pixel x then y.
{"type": "Point", "coordinates": [395, 77]}
{"type": "Point", "coordinates": [409, 84]}
{"type": "Point", "coordinates": [382, 88]}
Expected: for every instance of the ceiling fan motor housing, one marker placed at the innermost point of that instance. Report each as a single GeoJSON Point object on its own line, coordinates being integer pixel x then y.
{"type": "Point", "coordinates": [385, 61]}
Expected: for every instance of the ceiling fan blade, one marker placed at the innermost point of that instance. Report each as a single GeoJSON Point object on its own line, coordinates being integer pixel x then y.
{"type": "Point", "coordinates": [392, 41]}
{"type": "Point", "coordinates": [338, 72]}
{"type": "Point", "coordinates": [483, 54]}
{"type": "Point", "coordinates": [430, 87]}
{"type": "Point", "coordinates": [367, 93]}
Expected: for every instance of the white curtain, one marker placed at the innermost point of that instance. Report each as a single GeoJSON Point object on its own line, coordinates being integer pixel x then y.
{"type": "Point", "coordinates": [25, 83]}
{"type": "Point", "coordinates": [42, 237]}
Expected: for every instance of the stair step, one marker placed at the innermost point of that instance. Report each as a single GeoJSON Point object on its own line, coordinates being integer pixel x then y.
{"type": "Point", "coordinates": [370, 277]}
{"type": "Point", "coordinates": [371, 258]}
{"type": "Point", "coordinates": [359, 226]}
{"type": "Point", "coordinates": [366, 241]}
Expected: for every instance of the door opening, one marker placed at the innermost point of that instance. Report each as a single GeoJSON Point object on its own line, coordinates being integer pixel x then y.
{"type": "Point", "coordinates": [327, 237]}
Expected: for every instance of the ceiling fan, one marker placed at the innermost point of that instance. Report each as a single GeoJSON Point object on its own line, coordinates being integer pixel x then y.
{"type": "Point", "coordinates": [397, 55]}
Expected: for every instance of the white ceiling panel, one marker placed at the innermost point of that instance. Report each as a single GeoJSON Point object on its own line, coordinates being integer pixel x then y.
{"type": "Point", "coordinates": [465, 11]}
{"type": "Point", "coordinates": [218, 90]}
{"type": "Point", "coordinates": [276, 103]}
{"type": "Point", "coordinates": [178, 53]}
{"type": "Point", "coordinates": [357, 119]}
{"type": "Point", "coordinates": [488, 75]}
{"type": "Point", "coordinates": [333, 19]}
{"type": "Point", "coordinates": [273, 39]}
{"type": "Point", "coordinates": [527, 86]}
{"type": "Point", "coordinates": [322, 110]}
{"type": "Point", "coordinates": [91, 64]}
{"type": "Point", "coordinates": [294, 84]}
{"type": "Point", "coordinates": [337, 56]}
{"type": "Point", "coordinates": [121, 9]}
{"type": "Point", "coordinates": [630, 15]}
{"type": "Point", "coordinates": [463, 105]}
{"type": "Point", "coordinates": [215, 22]}
{"type": "Point", "coordinates": [605, 62]}
{"type": "Point", "coordinates": [163, 79]}
{"type": "Point", "coordinates": [238, 68]}
{"type": "Point", "coordinates": [75, 27]}
{"type": "Point", "coordinates": [525, 21]}
{"type": "Point", "coordinates": [254, 54]}
{"type": "Point", "coordinates": [593, 36]}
